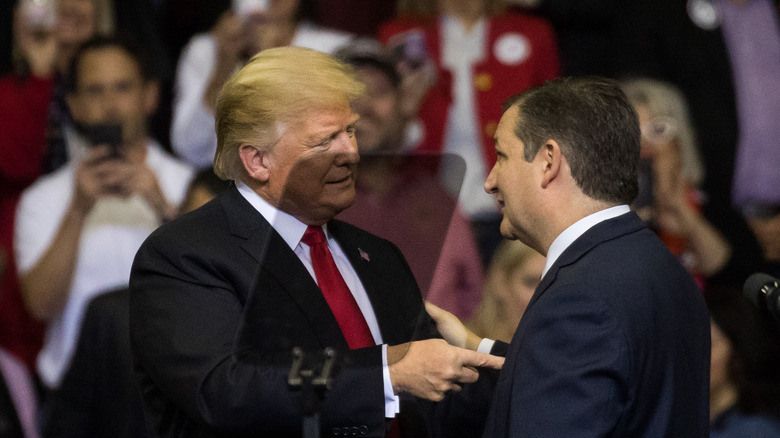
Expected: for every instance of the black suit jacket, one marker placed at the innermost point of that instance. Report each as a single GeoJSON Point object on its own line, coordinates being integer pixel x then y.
{"type": "Point", "coordinates": [218, 300]}
{"type": "Point", "coordinates": [614, 343]}
{"type": "Point", "coordinates": [98, 396]}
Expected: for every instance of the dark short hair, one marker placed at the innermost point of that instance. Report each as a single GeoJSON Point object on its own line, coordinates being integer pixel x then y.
{"type": "Point", "coordinates": [368, 52]}
{"type": "Point", "coordinates": [123, 42]}
{"type": "Point", "coordinates": [596, 128]}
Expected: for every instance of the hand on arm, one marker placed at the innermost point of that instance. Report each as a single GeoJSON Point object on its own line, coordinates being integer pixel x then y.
{"type": "Point", "coordinates": [451, 329]}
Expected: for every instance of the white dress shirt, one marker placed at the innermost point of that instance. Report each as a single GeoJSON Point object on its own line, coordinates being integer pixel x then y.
{"type": "Point", "coordinates": [291, 230]}
{"type": "Point", "coordinates": [563, 241]}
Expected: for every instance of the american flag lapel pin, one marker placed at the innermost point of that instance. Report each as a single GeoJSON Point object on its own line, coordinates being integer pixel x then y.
{"type": "Point", "coordinates": [364, 255]}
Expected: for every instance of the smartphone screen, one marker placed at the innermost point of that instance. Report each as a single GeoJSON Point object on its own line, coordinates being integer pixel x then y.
{"type": "Point", "coordinates": [103, 134]}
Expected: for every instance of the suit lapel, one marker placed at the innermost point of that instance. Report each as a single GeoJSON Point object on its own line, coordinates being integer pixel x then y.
{"type": "Point", "coordinates": [601, 232]}
{"type": "Point", "coordinates": [285, 266]}
{"type": "Point", "coordinates": [368, 261]}
{"type": "Point", "coordinates": [276, 259]}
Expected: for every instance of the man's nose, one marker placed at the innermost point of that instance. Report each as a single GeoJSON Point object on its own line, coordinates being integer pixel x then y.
{"type": "Point", "coordinates": [346, 149]}
{"type": "Point", "coordinates": [490, 182]}
{"type": "Point", "coordinates": [108, 106]}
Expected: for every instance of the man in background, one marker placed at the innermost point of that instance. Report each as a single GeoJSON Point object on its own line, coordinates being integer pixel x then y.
{"type": "Point", "coordinates": [78, 228]}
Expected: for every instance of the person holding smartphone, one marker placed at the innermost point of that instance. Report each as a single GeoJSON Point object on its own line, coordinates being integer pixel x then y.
{"type": "Point", "coordinates": [670, 172]}
{"type": "Point", "coordinates": [35, 130]}
{"type": "Point", "coordinates": [78, 228]}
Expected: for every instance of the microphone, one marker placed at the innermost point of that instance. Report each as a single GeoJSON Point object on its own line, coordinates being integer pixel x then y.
{"type": "Point", "coordinates": [764, 292]}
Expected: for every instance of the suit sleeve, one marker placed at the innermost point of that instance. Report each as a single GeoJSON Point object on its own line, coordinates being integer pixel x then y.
{"type": "Point", "coordinates": [185, 322]}
{"type": "Point", "coordinates": [570, 375]}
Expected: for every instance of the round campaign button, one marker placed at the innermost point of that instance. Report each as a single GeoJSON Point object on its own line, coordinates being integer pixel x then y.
{"type": "Point", "coordinates": [703, 14]}
{"type": "Point", "coordinates": [512, 48]}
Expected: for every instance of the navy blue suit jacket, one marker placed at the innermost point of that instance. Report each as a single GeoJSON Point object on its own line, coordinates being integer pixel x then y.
{"type": "Point", "coordinates": [614, 343]}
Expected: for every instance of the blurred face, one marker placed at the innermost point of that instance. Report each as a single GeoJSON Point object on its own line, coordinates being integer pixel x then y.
{"type": "Point", "coordinates": [522, 283]}
{"type": "Point", "coordinates": [76, 21]}
{"type": "Point", "coordinates": [269, 28]}
{"type": "Point", "coordinates": [311, 169]}
{"type": "Point", "coordinates": [380, 120]}
{"type": "Point", "coordinates": [513, 183]}
{"type": "Point", "coordinates": [110, 89]}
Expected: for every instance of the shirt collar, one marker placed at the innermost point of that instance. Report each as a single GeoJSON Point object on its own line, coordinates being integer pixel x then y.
{"type": "Point", "coordinates": [290, 228]}
{"type": "Point", "coordinates": [577, 229]}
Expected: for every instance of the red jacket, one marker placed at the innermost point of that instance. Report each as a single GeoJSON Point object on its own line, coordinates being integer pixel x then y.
{"type": "Point", "coordinates": [521, 53]}
{"type": "Point", "coordinates": [24, 112]}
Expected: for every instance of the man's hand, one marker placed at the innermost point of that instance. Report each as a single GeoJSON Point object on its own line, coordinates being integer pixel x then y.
{"type": "Point", "coordinates": [101, 175]}
{"type": "Point", "coordinates": [429, 369]}
{"type": "Point", "coordinates": [140, 180]}
{"type": "Point", "coordinates": [451, 329]}
{"type": "Point", "coordinates": [96, 176]}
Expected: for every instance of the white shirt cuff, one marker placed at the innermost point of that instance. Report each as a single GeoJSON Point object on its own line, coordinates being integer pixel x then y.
{"type": "Point", "coordinates": [392, 402]}
{"type": "Point", "coordinates": [485, 345]}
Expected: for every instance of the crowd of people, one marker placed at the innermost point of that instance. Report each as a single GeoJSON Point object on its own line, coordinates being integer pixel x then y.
{"type": "Point", "coordinates": [113, 114]}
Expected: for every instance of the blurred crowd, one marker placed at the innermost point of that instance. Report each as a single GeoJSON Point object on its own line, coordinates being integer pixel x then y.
{"type": "Point", "coordinates": [107, 131]}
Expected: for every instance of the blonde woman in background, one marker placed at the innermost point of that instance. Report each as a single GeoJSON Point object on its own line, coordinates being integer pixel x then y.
{"type": "Point", "coordinates": [670, 173]}
{"type": "Point", "coordinates": [513, 275]}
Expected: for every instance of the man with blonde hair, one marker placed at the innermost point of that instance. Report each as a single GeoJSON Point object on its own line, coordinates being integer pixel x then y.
{"type": "Point", "coordinates": [221, 296]}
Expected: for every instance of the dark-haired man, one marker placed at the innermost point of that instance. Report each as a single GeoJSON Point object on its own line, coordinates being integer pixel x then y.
{"type": "Point", "coordinates": [615, 341]}
{"type": "Point", "coordinates": [78, 228]}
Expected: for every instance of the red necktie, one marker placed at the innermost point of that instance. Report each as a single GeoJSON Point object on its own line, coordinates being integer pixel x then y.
{"type": "Point", "coordinates": [336, 292]}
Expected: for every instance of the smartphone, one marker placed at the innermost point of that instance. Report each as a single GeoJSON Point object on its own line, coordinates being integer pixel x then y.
{"type": "Point", "coordinates": [39, 14]}
{"type": "Point", "coordinates": [103, 134]}
{"type": "Point", "coordinates": [409, 48]}
{"type": "Point", "coordinates": [245, 8]}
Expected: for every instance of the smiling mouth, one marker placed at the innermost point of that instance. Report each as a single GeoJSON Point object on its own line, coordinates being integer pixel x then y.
{"type": "Point", "coordinates": [344, 180]}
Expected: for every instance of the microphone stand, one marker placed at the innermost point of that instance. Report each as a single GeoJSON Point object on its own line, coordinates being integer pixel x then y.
{"type": "Point", "coordinates": [312, 387]}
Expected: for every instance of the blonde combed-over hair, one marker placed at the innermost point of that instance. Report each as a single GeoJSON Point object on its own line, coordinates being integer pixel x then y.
{"type": "Point", "coordinates": [276, 87]}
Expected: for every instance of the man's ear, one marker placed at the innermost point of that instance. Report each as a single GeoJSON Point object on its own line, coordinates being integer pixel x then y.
{"type": "Point", "coordinates": [552, 158]}
{"type": "Point", "coordinates": [151, 96]}
{"type": "Point", "coordinates": [255, 161]}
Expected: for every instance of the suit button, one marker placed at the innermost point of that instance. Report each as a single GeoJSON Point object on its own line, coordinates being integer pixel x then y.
{"type": "Point", "coordinates": [336, 431]}
{"type": "Point", "coordinates": [364, 430]}
{"type": "Point", "coordinates": [354, 431]}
